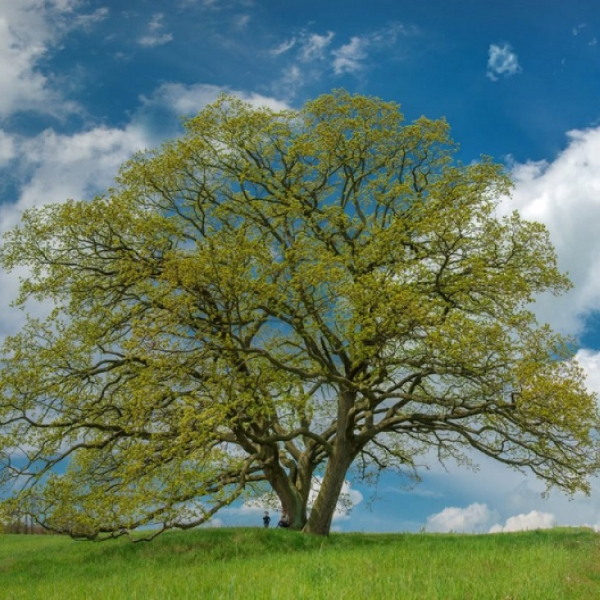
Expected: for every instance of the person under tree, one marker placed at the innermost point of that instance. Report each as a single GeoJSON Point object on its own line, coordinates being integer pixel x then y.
{"type": "Point", "coordinates": [266, 519]}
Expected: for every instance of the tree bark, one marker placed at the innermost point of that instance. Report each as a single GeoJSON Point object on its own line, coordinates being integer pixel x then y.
{"type": "Point", "coordinates": [290, 498]}
{"type": "Point", "coordinates": [321, 515]}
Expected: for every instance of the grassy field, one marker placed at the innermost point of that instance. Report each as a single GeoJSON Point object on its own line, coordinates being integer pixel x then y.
{"type": "Point", "coordinates": [279, 564]}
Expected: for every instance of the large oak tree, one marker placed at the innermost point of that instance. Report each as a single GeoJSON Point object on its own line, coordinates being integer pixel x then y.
{"type": "Point", "coordinates": [276, 297]}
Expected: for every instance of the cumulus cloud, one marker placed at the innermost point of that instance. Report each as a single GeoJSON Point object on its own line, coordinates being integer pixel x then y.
{"type": "Point", "coordinates": [565, 195]}
{"type": "Point", "coordinates": [78, 165]}
{"type": "Point", "coordinates": [533, 520]}
{"type": "Point", "coordinates": [502, 61]}
{"type": "Point", "coordinates": [590, 363]}
{"type": "Point", "coordinates": [29, 30]}
{"type": "Point", "coordinates": [53, 168]}
{"type": "Point", "coordinates": [477, 517]}
{"type": "Point", "coordinates": [188, 100]}
{"type": "Point", "coordinates": [512, 492]}
{"type": "Point", "coordinates": [7, 148]}
{"type": "Point", "coordinates": [24, 39]}
{"type": "Point", "coordinates": [474, 518]}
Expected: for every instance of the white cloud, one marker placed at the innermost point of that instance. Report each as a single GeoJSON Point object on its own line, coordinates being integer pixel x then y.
{"type": "Point", "coordinates": [347, 59]}
{"type": "Point", "coordinates": [53, 168]}
{"type": "Point", "coordinates": [565, 196]}
{"type": "Point", "coordinates": [292, 79]}
{"type": "Point", "coordinates": [313, 46]}
{"type": "Point", "coordinates": [154, 36]}
{"type": "Point", "coordinates": [590, 363]}
{"type": "Point", "coordinates": [149, 41]}
{"type": "Point", "coordinates": [29, 30]}
{"type": "Point", "coordinates": [188, 100]}
{"type": "Point", "coordinates": [533, 520]}
{"type": "Point", "coordinates": [24, 39]}
{"type": "Point", "coordinates": [284, 47]}
{"type": "Point", "coordinates": [509, 493]}
{"type": "Point", "coordinates": [314, 54]}
{"type": "Point", "coordinates": [350, 57]}
{"type": "Point", "coordinates": [474, 518]}
{"type": "Point", "coordinates": [156, 22]}
{"type": "Point", "coordinates": [502, 61]}
{"type": "Point", "coordinates": [75, 166]}
{"type": "Point", "coordinates": [241, 22]}
{"type": "Point", "coordinates": [87, 21]}
{"type": "Point", "coordinates": [7, 148]}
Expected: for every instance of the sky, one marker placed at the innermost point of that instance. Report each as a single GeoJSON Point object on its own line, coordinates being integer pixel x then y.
{"type": "Point", "coordinates": [86, 83]}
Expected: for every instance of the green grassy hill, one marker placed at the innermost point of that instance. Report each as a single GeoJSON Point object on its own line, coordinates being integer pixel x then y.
{"type": "Point", "coordinates": [273, 564]}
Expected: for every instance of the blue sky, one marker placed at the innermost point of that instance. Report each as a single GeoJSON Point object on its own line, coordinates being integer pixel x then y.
{"type": "Point", "coordinates": [85, 83]}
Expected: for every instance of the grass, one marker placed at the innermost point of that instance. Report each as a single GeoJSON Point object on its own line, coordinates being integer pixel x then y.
{"type": "Point", "coordinates": [278, 564]}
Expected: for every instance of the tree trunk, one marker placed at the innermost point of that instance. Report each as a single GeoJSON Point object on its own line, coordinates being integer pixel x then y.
{"type": "Point", "coordinates": [289, 497]}
{"type": "Point", "coordinates": [321, 515]}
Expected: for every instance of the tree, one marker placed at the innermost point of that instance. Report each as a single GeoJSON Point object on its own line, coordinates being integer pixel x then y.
{"type": "Point", "coordinates": [276, 297]}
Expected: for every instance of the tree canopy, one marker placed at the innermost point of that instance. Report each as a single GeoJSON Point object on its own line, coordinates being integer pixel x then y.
{"type": "Point", "coordinates": [277, 297]}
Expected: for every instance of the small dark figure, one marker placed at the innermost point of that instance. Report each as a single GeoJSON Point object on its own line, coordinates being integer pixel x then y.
{"type": "Point", "coordinates": [285, 520]}
{"type": "Point", "coordinates": [266, 519]}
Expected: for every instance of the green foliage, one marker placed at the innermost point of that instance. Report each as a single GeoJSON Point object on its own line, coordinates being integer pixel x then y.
{"type": "Point", "coordinates": [272, 297]}
{"type": "Point", "coordinates": [257, 564]}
